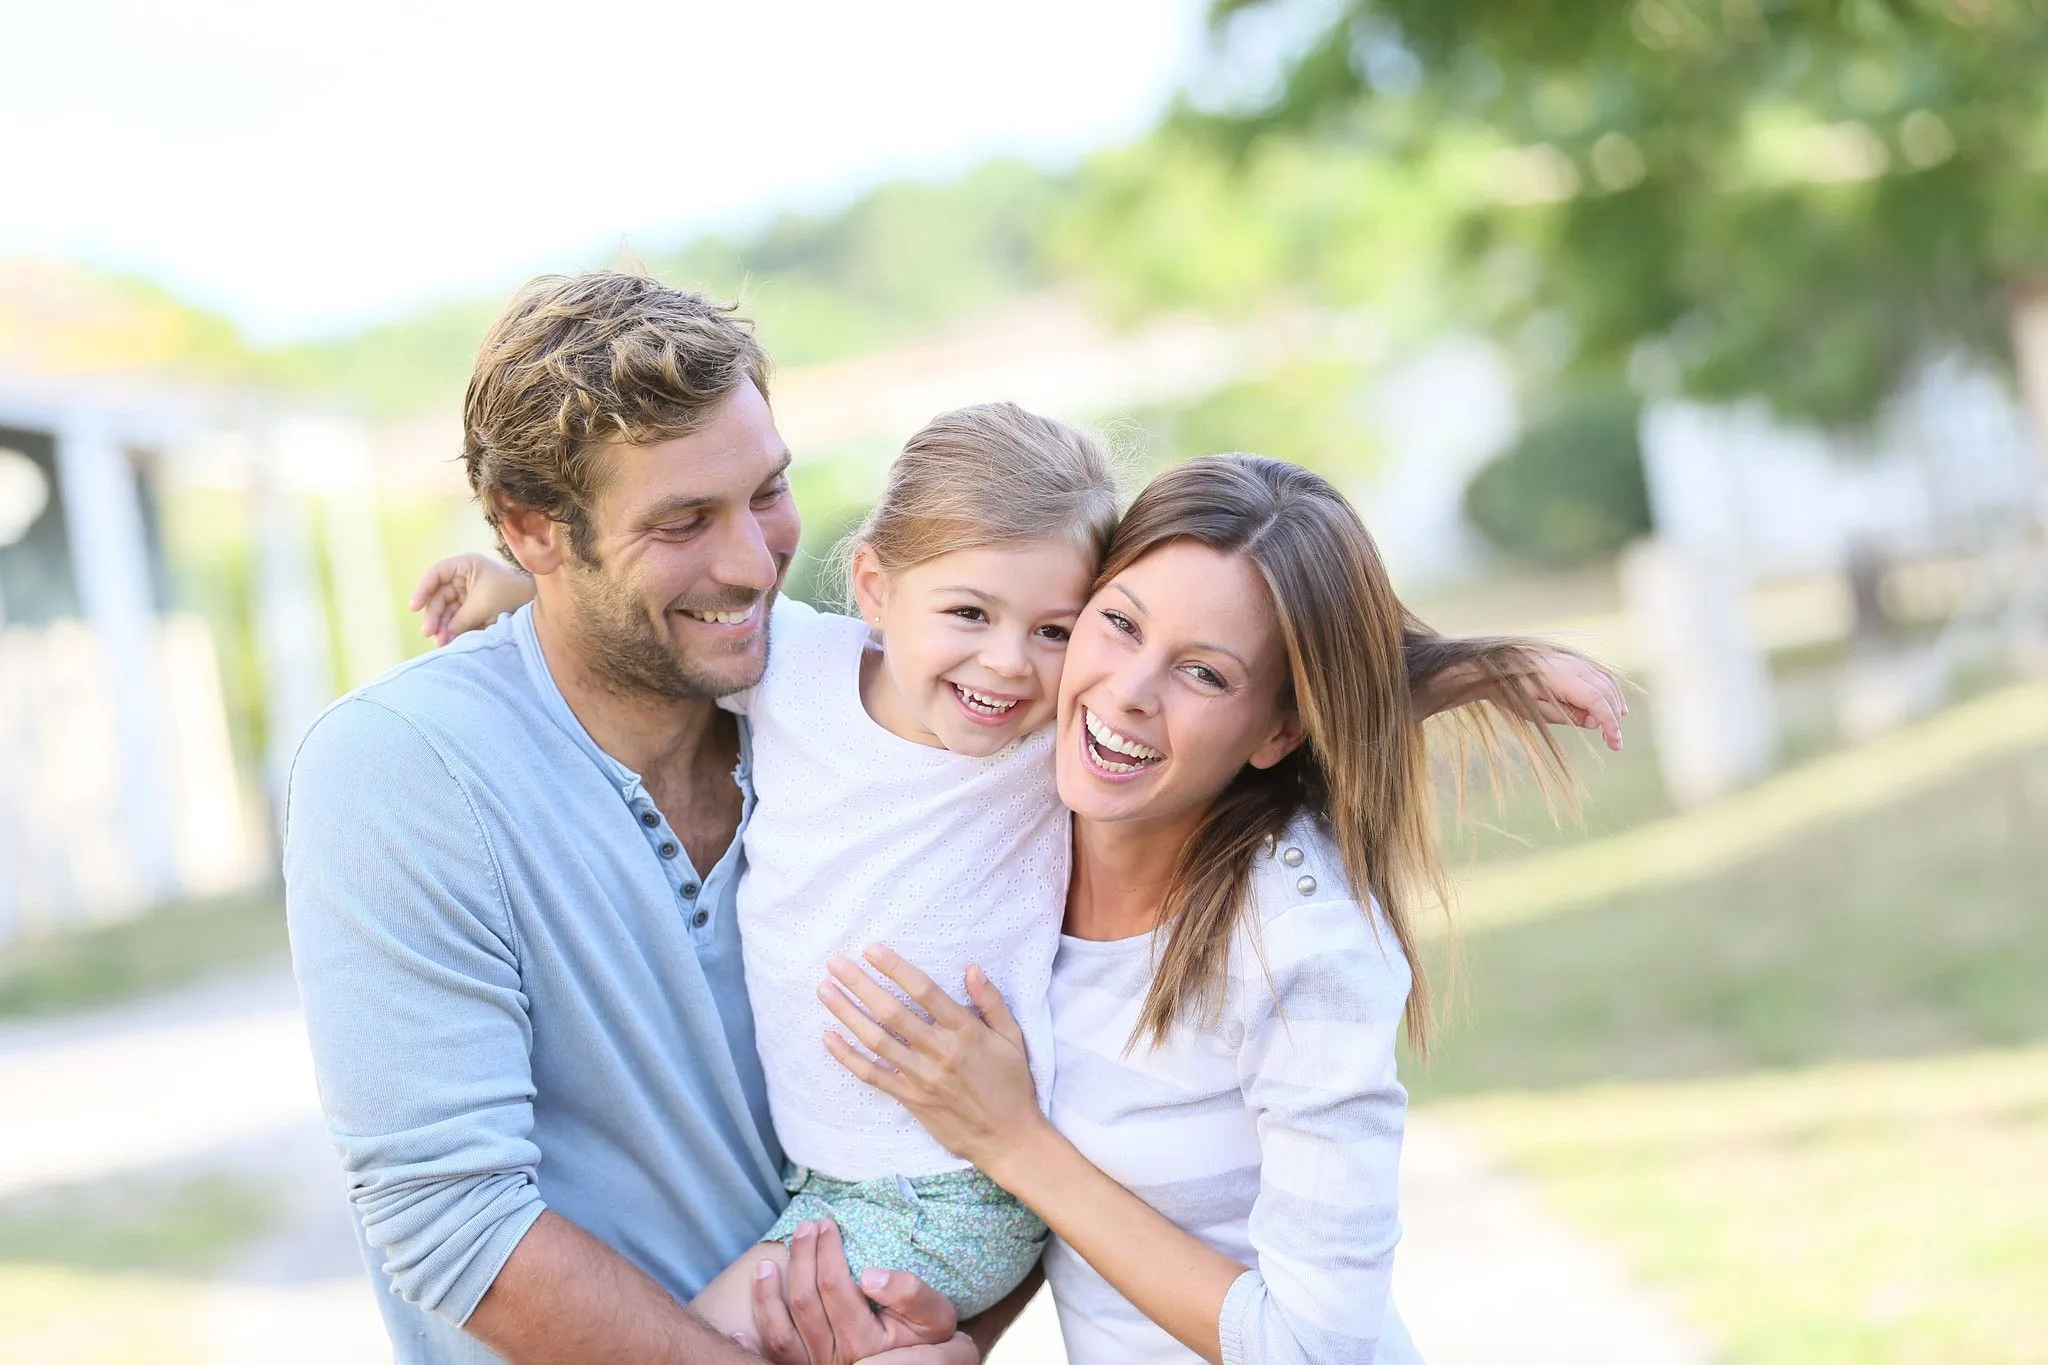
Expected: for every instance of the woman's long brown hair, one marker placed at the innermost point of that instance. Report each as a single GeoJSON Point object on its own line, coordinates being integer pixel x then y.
{"type": "Point", "coordinates": [1355, 657]}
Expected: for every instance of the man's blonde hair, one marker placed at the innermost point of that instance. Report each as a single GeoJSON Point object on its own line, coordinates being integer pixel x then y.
{"type": "Point", "coordinates": [577, 362]}
{"type": "Point", "coordinates": [992, 474]}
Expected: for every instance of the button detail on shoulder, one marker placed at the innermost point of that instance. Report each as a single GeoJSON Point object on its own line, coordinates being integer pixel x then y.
{"type": "Point", "coordinates": [1306, 886]}
{"type": "Point", "coordinates": [1292, 857]}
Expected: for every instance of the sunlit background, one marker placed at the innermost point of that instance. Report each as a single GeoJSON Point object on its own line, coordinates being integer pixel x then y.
{"type": "Point", "coordinates": [1709, 336]}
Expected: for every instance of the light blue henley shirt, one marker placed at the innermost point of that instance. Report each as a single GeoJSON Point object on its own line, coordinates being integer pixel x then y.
{"type": "Point", "coordinates": [519, 992]}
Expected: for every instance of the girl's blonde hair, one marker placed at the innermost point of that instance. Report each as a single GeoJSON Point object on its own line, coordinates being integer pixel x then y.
{"type": "Point", "coordinates": [992, 474]}
{"type": "Point", "coordinates": [1354, 656]}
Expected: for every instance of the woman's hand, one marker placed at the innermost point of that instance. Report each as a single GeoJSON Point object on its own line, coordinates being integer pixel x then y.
{"type": "Point", "coordinates": [965, 1078]}
{"type": "Point", "coordinates": [1568, 690]}
{"type": "Point", "coordinates": [467, 592]}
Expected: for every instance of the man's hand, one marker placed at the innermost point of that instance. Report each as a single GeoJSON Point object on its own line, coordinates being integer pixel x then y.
{"type": "Point", "coordinates": [827, 1319]}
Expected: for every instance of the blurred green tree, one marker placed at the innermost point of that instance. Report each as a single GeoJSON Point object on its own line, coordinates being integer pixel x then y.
{"type": "Point", "coordinates": [1799, 199]}
{"type": "Point", "coordinates": [1570, 490]}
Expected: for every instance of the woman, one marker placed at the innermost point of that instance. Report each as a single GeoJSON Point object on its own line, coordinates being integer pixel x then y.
{"type": "Point", "coordinates": [1252, 838]}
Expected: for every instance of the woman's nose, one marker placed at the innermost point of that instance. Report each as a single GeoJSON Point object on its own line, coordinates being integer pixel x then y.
{"type": "Point", "coordinates": [1135, 688]}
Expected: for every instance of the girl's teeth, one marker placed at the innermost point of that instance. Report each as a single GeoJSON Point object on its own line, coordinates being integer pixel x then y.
{"type": "Point", "coordinates": [981, 703]}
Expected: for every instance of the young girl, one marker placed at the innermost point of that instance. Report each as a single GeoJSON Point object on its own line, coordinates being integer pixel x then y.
{"type": "Point", "coordinates": [903, 785]}
{"type": "Point", "coordinates": [904, 780]}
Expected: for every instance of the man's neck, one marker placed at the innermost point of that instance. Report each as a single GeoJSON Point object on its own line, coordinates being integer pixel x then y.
{"type": "Point", "coordinates": [653, 735]}
{"type": "Point", "coordinates": [1122, 872]}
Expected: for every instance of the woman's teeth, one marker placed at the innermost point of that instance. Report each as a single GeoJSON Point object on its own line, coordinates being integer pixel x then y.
{"type": "Point", "coordinates": [986, 705]}
{"type": "Point", "coordinates": [1108, 742]}
{"type": "Point", "coordinates": [723, 618]}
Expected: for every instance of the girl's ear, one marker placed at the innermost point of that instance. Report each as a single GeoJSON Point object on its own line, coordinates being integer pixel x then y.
{"type": "Point", "coordinates": [1286, 738]}
{"type": "Point", "coordinates": [870, 585]}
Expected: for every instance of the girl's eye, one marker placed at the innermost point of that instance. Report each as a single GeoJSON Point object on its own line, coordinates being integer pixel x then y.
{"type": "Point", "coordinates": [1119, 622]}
{"type": "Point", "coordinates": [969, 613]}
{"type": "Point", "coordinates": [1057, 634]}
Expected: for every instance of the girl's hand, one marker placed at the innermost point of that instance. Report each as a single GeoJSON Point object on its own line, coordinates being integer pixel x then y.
{"type": "Point", "coordinates": [467, 592]}
{"type": "Point", "coordinates": [965, 1078]}
{"type": "Point", "coordinates": [1568, 690]}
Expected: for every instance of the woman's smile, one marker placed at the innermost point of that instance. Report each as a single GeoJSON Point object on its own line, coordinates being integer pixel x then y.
{"type": "Point", "coordinates": [1111, 753]}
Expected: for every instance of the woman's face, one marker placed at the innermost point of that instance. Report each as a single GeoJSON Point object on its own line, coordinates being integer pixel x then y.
{"type": "Point", "coordinates": [1173, 683]}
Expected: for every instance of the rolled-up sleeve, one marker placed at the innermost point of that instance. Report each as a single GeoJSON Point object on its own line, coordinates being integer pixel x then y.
{"type": "Point", "coordinates": [408, 969]}
{"type": "Point", "coordinates": [1317, 1068]}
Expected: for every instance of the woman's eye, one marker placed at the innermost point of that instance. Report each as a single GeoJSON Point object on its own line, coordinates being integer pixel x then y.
{"type": "Point", "coordinates": [1206, 675]}
{"type": "Point", "coordinates": [1120, 622]}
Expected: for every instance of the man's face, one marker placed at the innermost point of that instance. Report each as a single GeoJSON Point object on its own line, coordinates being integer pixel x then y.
{"type": "Point", "coordinates": [689, 540]}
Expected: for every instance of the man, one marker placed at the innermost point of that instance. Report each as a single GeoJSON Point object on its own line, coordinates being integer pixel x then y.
{"type": "Point", "coordinates": [510, 871]}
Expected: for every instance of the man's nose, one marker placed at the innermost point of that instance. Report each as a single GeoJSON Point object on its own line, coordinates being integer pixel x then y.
{"type": "Point", "coordinates": [744, 559]}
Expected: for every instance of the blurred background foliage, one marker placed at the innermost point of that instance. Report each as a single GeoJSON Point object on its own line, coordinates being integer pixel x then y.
{"type": "Point", "coordinates": [1650, 148]}
{"type": "Point", "coordinates": [1570, 490]}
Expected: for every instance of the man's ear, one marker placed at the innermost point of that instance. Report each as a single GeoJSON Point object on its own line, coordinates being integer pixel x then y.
{"type": "Point", "coordinates": [538, 542]}
{"type": "Point", "coordinates": [1286, 738]}
{"type": "Point", "coordinates": [870, 585]}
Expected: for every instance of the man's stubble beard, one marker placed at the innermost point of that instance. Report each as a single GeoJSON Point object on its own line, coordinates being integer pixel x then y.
{"type": "Point", "coordinates": [627, 652]}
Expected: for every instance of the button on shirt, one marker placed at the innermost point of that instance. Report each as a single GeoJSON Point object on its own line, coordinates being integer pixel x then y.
{"type": "Point", "coordinates": [519, 992]}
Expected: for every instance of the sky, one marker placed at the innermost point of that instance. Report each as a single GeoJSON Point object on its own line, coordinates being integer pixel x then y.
{"type": "Point", "coordinates": [306, 168]}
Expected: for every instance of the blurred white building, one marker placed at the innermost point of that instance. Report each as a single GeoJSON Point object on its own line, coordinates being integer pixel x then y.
{"type": "Point", "coordinates": [119, 786]}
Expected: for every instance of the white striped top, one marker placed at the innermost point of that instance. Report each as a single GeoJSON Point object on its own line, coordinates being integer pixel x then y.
{"type": "Point", "coordinates": [1273, 1134]}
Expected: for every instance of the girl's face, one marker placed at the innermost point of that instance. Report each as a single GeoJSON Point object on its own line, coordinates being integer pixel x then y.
{"type": "Point", "coordinates": [1173, 683]}
{"type": "Point", "coordinates": [971, 641]}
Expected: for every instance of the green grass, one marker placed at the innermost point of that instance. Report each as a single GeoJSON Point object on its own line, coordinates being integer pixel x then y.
{"type": "Point", "coordinates": [1884, 1213]}
{"type": "Point", "coordinates": [112, 1273]}
{"type": "Point", "coordinates": [1805, 1094]}
{"type": "Point", "coordinates": [1911, 929]}
{"type": "Point", "coordinates": [158, 951]}
{"type": "Point", "coordinates": [189, 1227]}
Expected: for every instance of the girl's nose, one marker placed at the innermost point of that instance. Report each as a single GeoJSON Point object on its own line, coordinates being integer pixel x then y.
{"type": "Point", "coordinates": [1006, 657]}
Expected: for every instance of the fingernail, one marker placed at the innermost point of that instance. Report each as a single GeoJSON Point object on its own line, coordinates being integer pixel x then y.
{"type": "Point", "coordinates": [874, 1280]}
{"type": "Point", "coordinates": [806, 1229]}
{"type": "Point", "coordinates": [764, 1270]}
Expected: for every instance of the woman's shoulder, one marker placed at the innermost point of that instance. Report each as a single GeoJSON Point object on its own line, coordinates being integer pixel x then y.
{"type": "Point", "coordinates": [1302, 867]}
{"type": "Point", "coordinates": [1308, 924]}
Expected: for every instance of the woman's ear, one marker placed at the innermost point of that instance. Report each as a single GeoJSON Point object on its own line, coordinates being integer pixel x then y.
{"type": "Point", "coordinates": [1286, 738]}
{"type": "Point", "coordinates": [870, 585]}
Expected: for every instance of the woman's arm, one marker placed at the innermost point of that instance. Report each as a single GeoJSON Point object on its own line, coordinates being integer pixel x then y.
{"type": "Point", "coordinates": [1317, 1070]}
{"type": "Point", "coordinates": [968, 1083]}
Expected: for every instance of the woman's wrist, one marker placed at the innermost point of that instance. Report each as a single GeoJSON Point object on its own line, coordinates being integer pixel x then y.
{"type": "Point", "coordinates": [1028, 1159]}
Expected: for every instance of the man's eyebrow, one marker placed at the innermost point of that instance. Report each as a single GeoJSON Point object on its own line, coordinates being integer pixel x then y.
{"type": "Point", "coordinates": [677, 506]}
